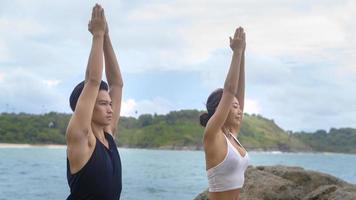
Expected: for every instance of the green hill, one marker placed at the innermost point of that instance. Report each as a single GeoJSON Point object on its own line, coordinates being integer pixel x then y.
{"type": "Point", "coordinates": [261, 133]}
{"type": "Point", "coordinates": [177, 130]}
{"type": "Point", "coordinates": [174, 130]}
{"type": "Point", "coordinates": [336, 140]}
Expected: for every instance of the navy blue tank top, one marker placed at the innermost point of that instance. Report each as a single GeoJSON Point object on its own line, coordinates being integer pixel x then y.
{"type": "Point", "coordinates": [100, 178]}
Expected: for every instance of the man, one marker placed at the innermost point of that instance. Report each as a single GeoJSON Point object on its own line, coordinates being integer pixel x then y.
{"type": "Point", "coordinates": [93, 164]}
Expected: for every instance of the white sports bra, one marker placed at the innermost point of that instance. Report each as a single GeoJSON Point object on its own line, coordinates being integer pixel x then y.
{"type": "Point", "coordinates": [230, 173]}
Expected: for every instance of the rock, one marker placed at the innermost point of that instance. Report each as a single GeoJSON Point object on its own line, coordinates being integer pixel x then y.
{"type": "Point", "coordinates": [291, 183]}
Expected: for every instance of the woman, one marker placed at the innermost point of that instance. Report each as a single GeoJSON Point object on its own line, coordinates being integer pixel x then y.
{"type": "Point", "coordinates": [226, 159]}
{"type": "Point", "coordinates": [93, 164]}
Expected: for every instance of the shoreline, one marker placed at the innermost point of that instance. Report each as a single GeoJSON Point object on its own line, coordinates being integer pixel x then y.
{"type": "Point", "coordinates": [176, 148]}
{"type": "Point", "coordinates": [24, 145]}
{"type": "Point", "coordinates": [249, 151]}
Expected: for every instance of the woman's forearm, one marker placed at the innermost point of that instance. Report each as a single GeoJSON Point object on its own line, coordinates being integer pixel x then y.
{"type": "Point", "coordinates": [232, 79]}
{"type": "Point", "coordinates": [240, 94]}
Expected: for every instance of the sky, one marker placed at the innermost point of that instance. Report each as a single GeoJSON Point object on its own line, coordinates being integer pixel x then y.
{"type": "Point", "coordinates": [300, 63]}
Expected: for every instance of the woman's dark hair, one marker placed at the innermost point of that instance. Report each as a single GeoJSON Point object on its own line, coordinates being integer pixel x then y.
{"type": "Point", "coordinates": [211, 105]}
{"type": "Point", "coordinates": [73, 99]}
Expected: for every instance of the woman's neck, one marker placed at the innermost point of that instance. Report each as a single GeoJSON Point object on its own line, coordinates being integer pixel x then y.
{"type": "Point", "coordinates": [229, 130]}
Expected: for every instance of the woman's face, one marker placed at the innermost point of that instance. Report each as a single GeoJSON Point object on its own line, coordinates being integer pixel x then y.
{"type": "Point", "coordinates": [102, 113]}
{"type": "Point", "coordinates": [235, 114]}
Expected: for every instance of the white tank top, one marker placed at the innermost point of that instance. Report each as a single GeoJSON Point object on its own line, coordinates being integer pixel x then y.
{"type": "Point", "coordinates": [230, 173]}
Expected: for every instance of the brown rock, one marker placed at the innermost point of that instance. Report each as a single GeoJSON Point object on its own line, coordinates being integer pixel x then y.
{"type": "Point", "coordinates": [291, 183]}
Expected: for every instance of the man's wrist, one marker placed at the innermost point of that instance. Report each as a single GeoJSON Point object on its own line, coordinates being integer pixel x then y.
{"type": "Point", "coordinates": [238, 52]}
{"type": "Point", "coordinates": [106, 36]}
{"type": "Point", "coordinates": [98, 35]}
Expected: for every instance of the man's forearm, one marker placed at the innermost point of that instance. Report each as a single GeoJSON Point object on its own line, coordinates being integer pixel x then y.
{"type": "Point", "coordinates": [112, 69]}
{"type": "Point", "coordinates": [95, 62]}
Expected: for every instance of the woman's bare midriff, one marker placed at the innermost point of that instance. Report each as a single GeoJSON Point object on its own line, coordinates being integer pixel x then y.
{"type": "Point", "coordinates": [226, 195]}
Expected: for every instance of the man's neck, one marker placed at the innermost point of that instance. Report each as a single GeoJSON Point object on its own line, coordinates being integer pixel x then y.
{"type": "Point", "coordinates": [98, 131]}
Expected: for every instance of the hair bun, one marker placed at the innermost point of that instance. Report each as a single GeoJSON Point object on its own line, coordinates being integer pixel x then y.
{"type": "Point", "coordinates": [204, 118]}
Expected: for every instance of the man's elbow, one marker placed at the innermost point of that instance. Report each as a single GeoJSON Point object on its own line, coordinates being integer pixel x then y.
{"type": "Point", "coordinates": [118, 84]}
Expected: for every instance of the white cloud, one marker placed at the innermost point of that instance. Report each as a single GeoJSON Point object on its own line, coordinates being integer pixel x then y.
{"type": "Point", "coordinates": [128, 107]}
{"type": "Point", "coordinates": [252, 106]}
{"type": "Point", "coordinates": [2, 76]}
{"type": "Point", "coordinates": [16, 32]}
{"type": "Point", "coordinates": [21, 26]}
{"type": "Point", "coordinates": [297, 29]}
{"type": "Point", "coordinates": [169, 35]}
{"type": "Point", "coordinates": [23, 91]}
{"type": "Point", "coordinates": [158, 105]}
{"type": "Point", "coordinates": [51, 83]}
{"type": "Point", "coordinates": [4, 51]}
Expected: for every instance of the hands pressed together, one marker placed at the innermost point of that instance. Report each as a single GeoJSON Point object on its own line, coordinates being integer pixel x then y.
{"type": "Point", "coordinates": [238, 43]}
{"type": "Point", "coordinates": [97, 25]}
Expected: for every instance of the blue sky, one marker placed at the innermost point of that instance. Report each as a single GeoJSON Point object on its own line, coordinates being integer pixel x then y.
{"type": "Point", "coordinates": [300, 63]}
